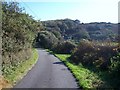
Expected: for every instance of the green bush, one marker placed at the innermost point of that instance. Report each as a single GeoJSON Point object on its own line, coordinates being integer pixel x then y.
{"type": "Point", "coordinates": [65, 47]}
{"type": "Point", "coordinates": [115, 64]}
{"type": "Point", "coordinates": [46, 39]}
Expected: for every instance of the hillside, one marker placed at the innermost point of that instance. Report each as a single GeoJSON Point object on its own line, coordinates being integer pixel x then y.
{"type": "Point", "coordinates": [75, 30]}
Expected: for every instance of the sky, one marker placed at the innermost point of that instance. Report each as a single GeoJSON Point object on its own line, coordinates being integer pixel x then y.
{"type": "Point", "coordinates": [84, 10]}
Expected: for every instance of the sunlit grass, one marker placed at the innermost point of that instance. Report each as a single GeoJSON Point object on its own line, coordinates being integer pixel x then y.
{"type": "Point", "coordinates": [85, 77]}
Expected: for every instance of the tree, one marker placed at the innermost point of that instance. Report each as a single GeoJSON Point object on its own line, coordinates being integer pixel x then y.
{"type": "Point", "coordinates": [46, 39]}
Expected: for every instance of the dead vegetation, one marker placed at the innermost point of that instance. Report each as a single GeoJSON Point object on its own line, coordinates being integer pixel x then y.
{"type": "Point", "coordinates": [4, 83]}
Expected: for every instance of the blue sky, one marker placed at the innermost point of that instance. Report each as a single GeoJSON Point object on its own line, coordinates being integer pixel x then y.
{"type": "Point", "coordinates": [84, 10]}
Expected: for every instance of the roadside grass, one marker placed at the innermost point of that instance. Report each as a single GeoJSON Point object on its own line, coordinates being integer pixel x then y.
{"type": "Point", "coordinates": [48, 50]}
{"type": "Point", "coordinates": [89, 77]}
{"type": "Point", "coordinates": [85, 77]}
{"type": "Point", "coordinates": [18, 72]}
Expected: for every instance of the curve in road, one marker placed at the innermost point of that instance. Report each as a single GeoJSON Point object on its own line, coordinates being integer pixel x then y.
{"type": "Point", "coordinates": [48, 72]}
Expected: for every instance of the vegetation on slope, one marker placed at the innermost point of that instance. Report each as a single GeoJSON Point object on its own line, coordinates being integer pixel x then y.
{"type": "Point", "coordinates": [15, 73]}
{"type": "Point", "coordinates": [19, 31]}
{"type": "Point", "coordinates": [90, 77]}
{"type": "Point", "coordinates": [94, 64]}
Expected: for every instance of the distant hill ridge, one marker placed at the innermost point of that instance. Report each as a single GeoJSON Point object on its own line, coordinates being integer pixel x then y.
{"type": "Point", "coordinates": [75, 30]}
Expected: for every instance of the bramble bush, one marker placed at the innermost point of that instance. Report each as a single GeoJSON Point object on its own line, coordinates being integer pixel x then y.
{"type": "Point", "coordinates": [83, 52]}
{"type": "Point", "coordinates": [89, 53]}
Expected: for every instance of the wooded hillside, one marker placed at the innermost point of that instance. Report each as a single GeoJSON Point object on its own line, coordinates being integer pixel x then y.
{"type": "Point", "coordinates": [75, 30]}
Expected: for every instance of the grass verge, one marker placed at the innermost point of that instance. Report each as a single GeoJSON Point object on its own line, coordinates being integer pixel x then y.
{"type": "Point", "coordinates": [86, 78]}
{"type": "Point", "coordinates": [21, 70]}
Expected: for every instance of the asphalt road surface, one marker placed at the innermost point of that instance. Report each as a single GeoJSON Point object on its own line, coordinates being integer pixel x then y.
{"type": "Point", "coordinates": [48, 72]}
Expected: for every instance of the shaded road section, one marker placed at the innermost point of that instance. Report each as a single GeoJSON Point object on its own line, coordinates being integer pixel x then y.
{"type": "Point", "coordinates": [48, 72]}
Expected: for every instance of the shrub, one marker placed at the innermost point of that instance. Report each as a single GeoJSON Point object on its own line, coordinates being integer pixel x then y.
{"type": "Point", "coordinates": [106, 53]}
{"type": "Point", "coordinates": [115, 64]}
{"type": "Point", "coordinates": [65, 47]}
{"type": "Point", "coordinates": [115, 70]}
{"type": "Point", "coordinates": [83, 53]}
{"type": "Point", "coordinates": [89, 53]}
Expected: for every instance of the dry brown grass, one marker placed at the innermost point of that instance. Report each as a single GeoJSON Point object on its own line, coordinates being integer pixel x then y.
{"type": "Point", "coordinates": [4, 83]}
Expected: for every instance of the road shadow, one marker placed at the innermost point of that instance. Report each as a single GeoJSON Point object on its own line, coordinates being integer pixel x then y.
{"type": "Point", "coordinates": [49, 53]}
{"type": "Point", "coordinates": [61, 63]}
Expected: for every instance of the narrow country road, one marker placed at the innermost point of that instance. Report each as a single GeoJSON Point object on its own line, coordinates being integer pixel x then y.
{"type": "Point", "coordinates": [48, 72]}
